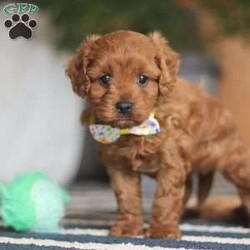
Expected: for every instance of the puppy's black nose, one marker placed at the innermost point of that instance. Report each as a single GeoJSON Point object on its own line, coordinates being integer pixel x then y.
{"type": "Point", "coordinates": [124, 107]}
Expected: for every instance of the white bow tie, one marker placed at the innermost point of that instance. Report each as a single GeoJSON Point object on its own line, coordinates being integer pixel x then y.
{"type": "Point", "coordinates": [107, 134]}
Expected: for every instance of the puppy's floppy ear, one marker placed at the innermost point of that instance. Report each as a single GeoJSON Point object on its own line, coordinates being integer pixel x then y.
{"type": "Point", "coordinates": [167, 61]}
{"type": "Point", "coordinates": [77, 66]}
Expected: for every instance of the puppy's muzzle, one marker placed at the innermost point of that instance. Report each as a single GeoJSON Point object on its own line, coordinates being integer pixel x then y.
{"type": "Point", "coordinates": [124, 107]}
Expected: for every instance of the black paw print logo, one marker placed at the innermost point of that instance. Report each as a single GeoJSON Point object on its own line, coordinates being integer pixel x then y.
{"type": "Point", "coordinates": [20, 26]}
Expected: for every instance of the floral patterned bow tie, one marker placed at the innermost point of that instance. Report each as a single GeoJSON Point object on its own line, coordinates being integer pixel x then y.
{"type": "Point", "coordinates": [107, 134]}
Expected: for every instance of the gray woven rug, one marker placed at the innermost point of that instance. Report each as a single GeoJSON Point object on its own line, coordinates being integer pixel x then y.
{"type": "Point", "coordinates": [91, 212]}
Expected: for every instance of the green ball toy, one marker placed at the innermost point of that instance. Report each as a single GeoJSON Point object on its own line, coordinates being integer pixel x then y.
{"type": "Point", "coordinates": [32, 202]}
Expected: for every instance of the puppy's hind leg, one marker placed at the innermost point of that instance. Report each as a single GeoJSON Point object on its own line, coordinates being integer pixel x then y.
{"type": "Point", "coordinates": [205, 181]}
{"type": "Point", "coordinates": [188, 188]}
{"type": "Point", "coordinates": [238, 171]}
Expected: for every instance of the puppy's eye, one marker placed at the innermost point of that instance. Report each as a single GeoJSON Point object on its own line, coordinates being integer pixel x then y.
{"type": "Point", "coordinates": [142, 80]}
{"type": "Point", "coordinates": [105, 79]}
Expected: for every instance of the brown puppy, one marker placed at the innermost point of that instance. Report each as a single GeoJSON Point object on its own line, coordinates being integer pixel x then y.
{"type": "Point", "coordinates": [125, 75]}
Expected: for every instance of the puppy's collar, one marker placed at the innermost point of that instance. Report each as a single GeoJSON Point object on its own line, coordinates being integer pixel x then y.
{"type": "Point", "coordinates": [107, 134]}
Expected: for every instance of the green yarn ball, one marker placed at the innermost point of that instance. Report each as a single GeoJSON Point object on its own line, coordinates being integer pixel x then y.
{"type": "Point", "coordinates": [32, 202]}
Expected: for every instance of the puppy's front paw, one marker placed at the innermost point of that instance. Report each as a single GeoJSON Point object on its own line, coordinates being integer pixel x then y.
{"type": "Point", "coordinates": [126, 229]}
{"type": "Point", "coordinates": [161, 232]}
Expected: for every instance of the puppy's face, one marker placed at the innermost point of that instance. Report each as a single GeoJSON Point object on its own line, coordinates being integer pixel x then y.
{"type": "Point", "coordinates": [123, 79]}
{"type": "Point", "coordinates": [122, 75]}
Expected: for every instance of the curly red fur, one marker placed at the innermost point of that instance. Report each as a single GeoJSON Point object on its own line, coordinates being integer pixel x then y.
{"type": "Point", "coordinates": [197, 132]}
